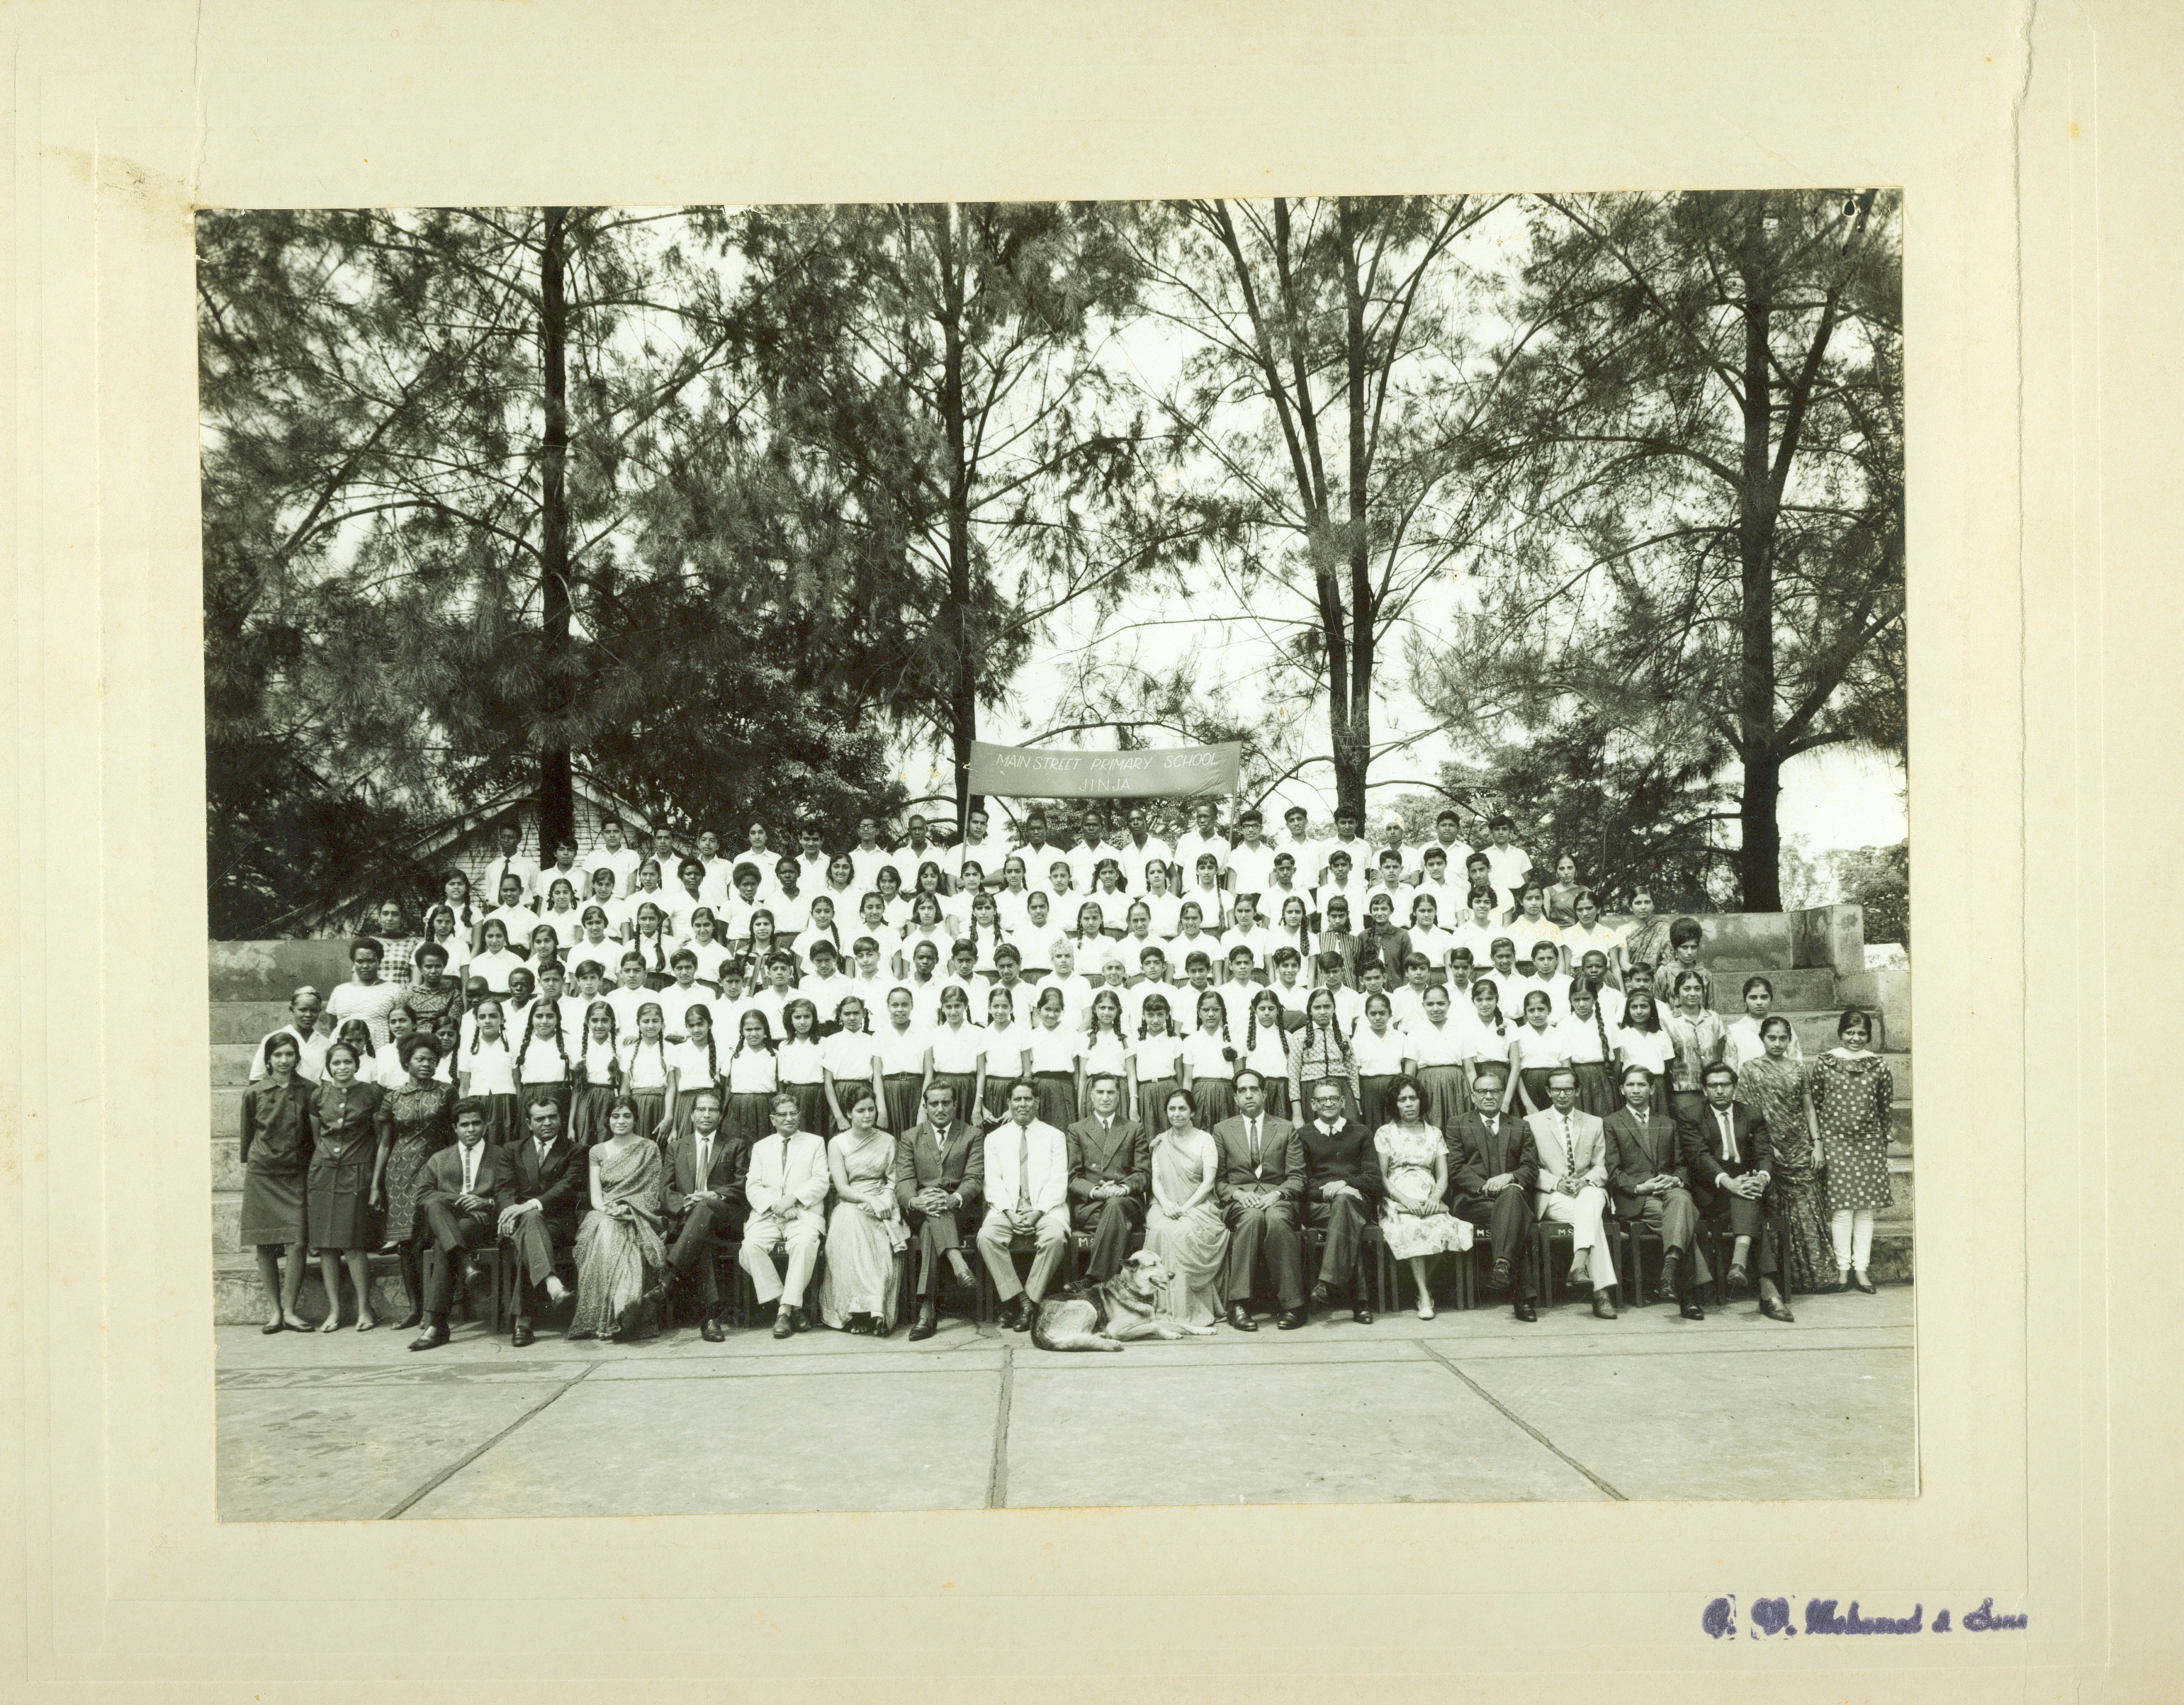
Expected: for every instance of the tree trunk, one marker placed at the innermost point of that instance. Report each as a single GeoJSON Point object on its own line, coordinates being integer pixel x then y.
{"type": "Point", "coordinates": [1760, 861]}
{"type": "Point", "coordinates": [963, 694]}
{"type": "Point", "coordinates": [1353, 745]}
{"type": "Point", "coordinates": [557, 796]}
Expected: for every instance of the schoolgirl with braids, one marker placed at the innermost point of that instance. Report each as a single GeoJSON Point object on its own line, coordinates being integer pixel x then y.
{"type": "Point", "coordinates": [650, 945]}
{"type": "Point", "coordinates": [753, 1077]}
{"type": "Point", "coordinates": [1377, 1049]}
{"type": "Point", "coordinates": [1267, 1050]}
{"type": "Point", "coordinates": [599, 1074]}
{"type": "Point", "coordinates": [1156, 1058]}
{"type": "Point", "coordinates": [1582, 1032]}
{"type": "Point", "coordinates": [803, 1074]}
{"type": "Point", "coordinates": [697, 1062]}
{"type": "Point", "coordinates": [648, 1075]}
{"type": "Point", "coordinates": [543, 1068]}
{"type": "Point", "coordinates": [1209, 1061]}
{"type": "Point", "coordinates": [1323, 1055]}
{"type": "Point", "coordinates": [486, 1072]}
{"type": "Point", "coordinates": [849, 1058]}
{"type": "Point", "coordinates": [1489, 1038]}
{"type": "Point", "coordinates": [444, 926]}
{"type": "Point", "coordinates": [984, 932]}
{"type": "Point", "coordinates": [1108, 1052]}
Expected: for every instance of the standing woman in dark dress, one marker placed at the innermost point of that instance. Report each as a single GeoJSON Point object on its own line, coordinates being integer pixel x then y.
{"type": "Point", "coordinates": [419, 1119]}
{"type": "Point", "coordinates": [349, 1123]}
{"type": "Point", "coordinates": [275, 1154]}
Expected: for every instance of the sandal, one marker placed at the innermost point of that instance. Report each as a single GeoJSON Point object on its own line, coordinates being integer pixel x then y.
{"type": "Point", "coordinates": [364, 1322]}
{"type": "Point", "coordinates": [331, 1323]}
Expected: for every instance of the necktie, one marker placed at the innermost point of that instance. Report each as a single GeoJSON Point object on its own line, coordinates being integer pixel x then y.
{"type": "Point", "coordinates": [1728, 1136]}
{"type": "Point", "coordinates": [705, 1160]}
{"type": "Point", "coordinates": [1569, 1146]}
{"type": "Point", "coordinates": [1251, 1131]}
{"type": "Point", "coordinates": [1023, 1166]}
{"type": "Point", "coordinates": [470, 1166]}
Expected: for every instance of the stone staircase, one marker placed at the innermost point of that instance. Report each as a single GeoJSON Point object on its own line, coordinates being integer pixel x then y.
{"type": "Point", "coordinates": [251, 981]}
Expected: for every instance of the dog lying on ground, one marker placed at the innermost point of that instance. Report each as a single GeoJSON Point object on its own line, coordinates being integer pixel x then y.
{"type": "Point", "coordinates": [1106, 1317]}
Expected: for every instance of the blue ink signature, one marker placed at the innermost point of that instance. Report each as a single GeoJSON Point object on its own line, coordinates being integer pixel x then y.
{"type": "Point", "coordinates": [1771, 1616]}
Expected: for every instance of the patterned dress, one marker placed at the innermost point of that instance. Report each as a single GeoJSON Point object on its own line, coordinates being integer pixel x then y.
{"type": "Point", "coordinates": [424, 1121]}
{"type": "Point", "coordinates": [1852, 1094]}
{"type": "Point", "coordinates": [1777, 1087]}
{"type": "Point", "coordinates": [1407, 1165]}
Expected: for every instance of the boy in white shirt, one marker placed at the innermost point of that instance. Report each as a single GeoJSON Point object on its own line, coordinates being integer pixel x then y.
{"type": "Point", "coordinates": [1356, 852]}
{"type": "Point", "coordinates": [1546, 977]}
{"type": "Point", "coordinates": [1510, 864]}
{"type": "Point", "coordinates": [509, 862]}
{"type": "Point", "coordinates": [1076, 990]}
{"type": "Point", "coordinates": [867, 857]}
{"type": "Point", "coordinates": [1140, 847]}
{"type": "Point", "coordinates": [1251, 857]}
{"type": "Point", "coordinates": [1204, 837]}
{"type": "Point", "coordinates": [611, 854]}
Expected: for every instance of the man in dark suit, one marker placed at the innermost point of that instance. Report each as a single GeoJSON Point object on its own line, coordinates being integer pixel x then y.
{"type": "Point", "coordinates": [1261, 1176]}
{"type": "Point", "coordinates": [1107, 1178]}
{"type": "Point", "coordinates": [1650, 1187]}
{"type": "Point", "coordinates": [1341, 1194]}
{"type": "Point", "coordinates": [705, 1205]}
{"type": "Point", "coordinates": [455, 1195]}
{"type": "Point", "coordinates": [1493, 1170]}
{"type": "Point", "coordinates": [938, 1165]}
{"type": "Point", "coordinates": [1728, 1149]}
{"type": "Point", "coordinates": [542, 1181]}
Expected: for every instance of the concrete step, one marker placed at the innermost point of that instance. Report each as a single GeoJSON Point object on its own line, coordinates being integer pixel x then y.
{"type": "Point", "coordinates": [274, 970]}
{"type": "Point", "coordinates": [228, 1109]}
{"type": "Point", "coordinates": [1794, 991]}
{"type": "Point", "coordinates": [247, 1020]}
{"type": "Point", "coordinates": [226, 1164]}
{"type": "Point", "coordinates": [230, 1062]}
{"type": "Point", "coordinates": [238, 1298]}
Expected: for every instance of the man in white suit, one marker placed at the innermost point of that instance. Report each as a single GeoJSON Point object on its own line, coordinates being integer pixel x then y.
{"type": "Point", "coordinates": [1572, 1185]}
{"type": "Point", "coordinates": [1027, 1163]}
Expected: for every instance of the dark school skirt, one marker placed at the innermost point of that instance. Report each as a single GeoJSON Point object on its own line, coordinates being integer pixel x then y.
{"type": "Point", "coordinates": [1595, 1092]}
{"type": "Point", "coordinates": [1350, 1108]}
{"type": "Point", "coordinates": [561, 1095]}
{"type": "Point", "coordinates": [651, 1109]}
{"type": "Point", "coordinates": [750, 1115]}
{"type": "Point", "coordinates": [811, 1113]}
{"type": "Point", "coordinates": [1448, 1093]}
{"type": "Point", "coordinates": [587, 1118]}
{"type": "Point", "coordinates": [903, 1091]}
{"type": "Point", "coordinates": [501, 1125]}
{"type": "Point", "coordinates": [1215, 1098]}
{"type": "Point", "coordinates": [686, 1104]}
{"type": "Point", "coordinates": [1277, 1098]}
{"type": "Point", "coordinates": [1057, 1098]}
{"type": "Point", "coordinates": [1533, 1083]}
{"type": "Point", "coordinates": [1152, 1104]}
{"type": "Point", "coordinates": [337, 1198]}
{"type": "Point", "coordinates": [1377, 1107]}
{"type": "Point", "coordinates": [272, 1207]}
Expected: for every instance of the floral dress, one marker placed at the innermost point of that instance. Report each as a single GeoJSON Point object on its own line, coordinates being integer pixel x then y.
{"type": "Point", "coordinates": [423, 1120]}
{"type": "Point", "coordinates": [1407, 1165]}
{"type": "Point", "coordinates": [1853, 1094]}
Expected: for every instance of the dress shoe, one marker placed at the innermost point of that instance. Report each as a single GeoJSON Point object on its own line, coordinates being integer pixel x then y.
{"type": "Point", "coordinates": [926, 1327]}
{"type": "Point", "coordinates": [431, 1338]}
{"type": "Point", "coordinates": [1322, 1293]}
{"type": "Point", "coordinates": [710, 1329]}
{"type": "Point", "coordinates": [1738, 1275]}
{"type": "Point", "coordinates": [1525, 1310]}
{"type": "Point", "coordinates": [1689, 1308]}
{"type": "Point", "coordinates": [1498, 1279]}
{"type": "Point", "coordinates": [1291, 1319]}
{"type": "Point", "coordinates": [1362, 1315]}
{"type": "Point", "coordinates": [1862, 1282]}
{"type": "Point", "coordinates": [1240, 1317]}
{"type": "Point", "coordinates": [799, 1321]}
{"type": "Point", "coordinates": [1668, 1286]}
{"type": "Point", "coordinates": [785, 1326]}
{"type": "Point", "coordinates": [1774, 1309]}
{"type": "Point", "coordinates": [1603, 1305]}
{"type": "Point", "coordinates": [521, 1337]}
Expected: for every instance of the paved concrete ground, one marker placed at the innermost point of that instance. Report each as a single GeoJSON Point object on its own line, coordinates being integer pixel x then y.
{"type": "Point", "coordinates": [1470, 1406]}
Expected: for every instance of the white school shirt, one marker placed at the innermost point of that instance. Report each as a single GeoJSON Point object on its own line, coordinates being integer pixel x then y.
{"type": "Point", "coordinates": [1537, 1049]}
{"type": "Point", "coordinates": [676, 1002]}
{"type": "Point", "coordinates": [1362, 855]}
{"type": "Point", "coordinates": [626, 1003]}
{"type": "Point", "coordinates": [799, 1062]}
{"type": "Point", "coordinates": [956, 1050]}
{"type": "Point", "coordinates": [924, 1002]}
{"type": "Point", "coordinates": [1114, 908]}
{"type": "Point", "coordinates": [899, 1051]}
{"type": "Point", "coordinates": [1350, 1009]}
{"type": "Point", "coordinates": [1191, 843]}
{"type": "Point", "coordinates": [1158, 1057]}
{"type": "Point", "coordinates": [601, 1063]}
{"type": "Point", "coordinates": [1269, 1057]}
{"type": "Point", "coordinates": [491, 1067]}
{"type": "Point", "coordinates": [1507, 867]}
{"type": "Point", "coordinates": [1555, 988]}
{"type": "Point", "coordinates": [1109, 1054]}
{"type": "Point", "coordinates": [310, 1065]}
{"type": "Point", "coordinates": [1653, 1048]}
{"type": "Point", "coordinates": [605, 952]}
{"type": "Point", "coordinates": [1581, 941]}
{"type": "Point", "coordinates": [494, 968]}
{"type": "Point", "coordinates": [1250, 868]}
{"type": "Point", "coordinates": [1166, 910]}
{"type": "Point", "coordinates": [1458, 854]}
{"type": "Point", "coordinates": [768, 1003]}
{"type": "Point", "coordinates": [827, 993]}
{"type": "Point", "coordinates": [792, 912]}
{"type": "Point", "coordinates": [1480, 1041]}
{"type": "Point", "coordinates": [866, 863]}
{"type": "Point", "coordinates": [712, 956]}
{"type": "Point", "coordinates": [542, 881]}
{"type": "Point", "coordinates": [1258, 938]}
{"type": "Point", "coordinates": [622, 860]}
{"type": "Point", "coordinates": [1076, 998]}
{"type": "Point", "coordinates": [1436, 944]}
{"type": "Point", "coordinates": [1406, 1008]}
{"type": "Point", "coordinates": [975, 989]}
{"type": "Point", "coordinates": [538, 1061]}
{"type": "Point", "coordinates": [1611, 1007]}
{"type": "Point", "coordinates": [1203, 1054]}
{"type": "Point", "coordinates": [753, 1071]}
{"type": "Point", "coordinates": [1015, 908]}
{"type": "Point", "coordinates": [1581, 1037]}
{"type": "Point", "coordinates": [644, 1067]}
{"type": "Point", "coordinates": [524, 870]}
{"type": "Point", "coordinates": [849, 1054]}
{"type": "Point", "coordinates": [568, 927]}
{"type": "Point", "coordinates": [1134, 858]}
{"type": "Point", "coordinates": [1005, 1046]}
{"type": "Point", "coordinates": [1377, 1056]}
{"type": "Point", "coordinates": [987, 854]}
{"type": "Point", "coordinates": [1435, 1045]}
{"type": "Point", "coordinates": [1353, 893]}
{"type": "Point", "coordinates": [1057, 1049]}
{"type": "Point", "coordinates": [692, 1069]}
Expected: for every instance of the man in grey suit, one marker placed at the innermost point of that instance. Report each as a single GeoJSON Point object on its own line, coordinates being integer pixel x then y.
{"type": "Point", "coordinates": [1261, 1176]}
{"type": "Point", "coordinates": [1107, 1178]}
{"type": "Point", "coordinates": [1652, 1187]}
{"type": "Point", "coordinates": [939, 1165]}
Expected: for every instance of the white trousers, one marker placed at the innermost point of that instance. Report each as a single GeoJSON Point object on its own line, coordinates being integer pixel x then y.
{"type": "Point", "coordinates": [1582, 1213]}
{"type": "Point", "coordinates": [799, 1235]}
{"type": "Point", "coordinates": [1852, 1229]}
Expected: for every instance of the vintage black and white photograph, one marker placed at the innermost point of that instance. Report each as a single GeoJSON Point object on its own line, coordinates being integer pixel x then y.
{"type": "Point", "coordinates": [896, 857]}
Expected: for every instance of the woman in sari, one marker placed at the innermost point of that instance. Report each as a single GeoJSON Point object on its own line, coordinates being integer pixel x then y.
{"type": "Point", "coordinates": [861, 1290]}
{"type": "Point", "coordinates": [619, 1241]}
{"type": "Point", "coordinates": [1184, 1225]}
{"type": "Point", "coordinates": [1775, 1084]}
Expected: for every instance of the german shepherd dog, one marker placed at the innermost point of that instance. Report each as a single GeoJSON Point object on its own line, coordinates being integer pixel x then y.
{"type": "Point", "coordinates": [1106, 1317]}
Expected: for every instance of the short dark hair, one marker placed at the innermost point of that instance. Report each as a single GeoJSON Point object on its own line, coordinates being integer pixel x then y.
{"type": "Point", "coordinates": [1686, 929]}
{"type": "Point", "coordinates": [1720, 1067]}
